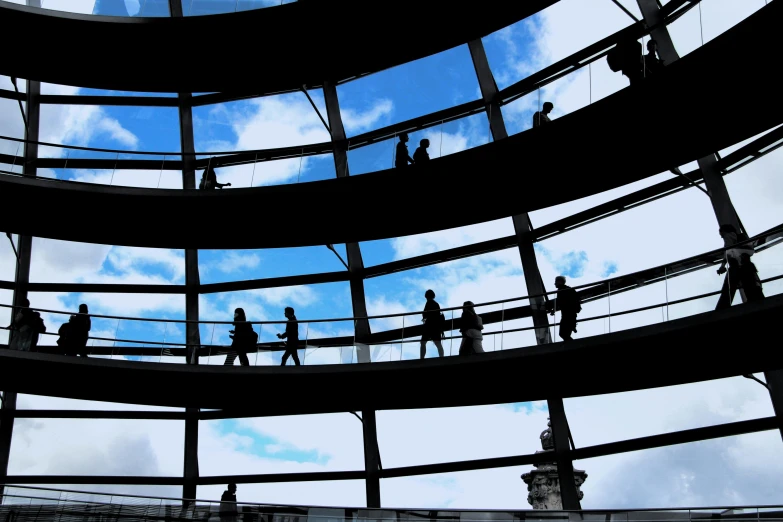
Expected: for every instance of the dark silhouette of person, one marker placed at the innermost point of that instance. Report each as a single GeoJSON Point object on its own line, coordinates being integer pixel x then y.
{"type": "Point", "coordinates": [25, 328]}
{"type": "Point", "coordinates": [742, 273]}
{"type": "Point", "coordinates": [569, 305]}
{"type": "Point", "coordinates": [242, 337]}
{"type": "Point", "coordinates": [291, 335]}
{"type": "Point", "coordinates": [470, 327]}
{"type": "Point", "coordinates": [421, 155]}
{"type": "Point", "coordinates": [401, 157]}
{"type": "Point", "coordinates": [80, 330]}
{"type": "Point", "coordinates": [209, 180]}
{"type": "Point", "coordinates": [228, 503]}
{"type": "Point", "coordinates": [626, 57]}
{"type": "Point", "coordinates": [542, 117]}
{"type": "Point", "coordinates": [652, 64]}
{"type": "Point", "coordinates": [433, 324]}
{"type": "Point", "coordinates": [65, 342]}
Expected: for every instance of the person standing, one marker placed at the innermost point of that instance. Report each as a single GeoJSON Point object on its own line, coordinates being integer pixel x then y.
{"type": "Point", "coordinates": [401, 157]}
{"type": "Point", "coordinates": [228, 504]}
{"type": "Point", "coordinates": [568, 303]}
{"type": "Point", "coordinates": [542, 117]}
{"type": "Point", "coordinates": [470, 327]}
{"type": "Point", "coordinates": [433, 324]}
{"type": "Point", "coordinates": [421, 155]}
{"type": "Point", "coordinates": [25, 328]}
{"type": "Point", "coordinates": [80, 330]}
{"type": "Point", "coordinates": [291, 335]}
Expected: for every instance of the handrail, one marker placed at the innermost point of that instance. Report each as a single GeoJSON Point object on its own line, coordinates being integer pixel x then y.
{"type": "Point", "coordinates": [472, 510]}
{"type": "Point", "coordinates": [765, 240]}
{"type": "Point", "coordinates": [507, 95]}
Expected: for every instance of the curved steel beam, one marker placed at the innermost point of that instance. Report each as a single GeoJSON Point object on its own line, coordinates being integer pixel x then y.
{"type": "Point", "coordinates": [601, 141]}
{"type": "Point", "coordinates": [303, 43]}
{"type": "Point", "coordinates": [702, 347]}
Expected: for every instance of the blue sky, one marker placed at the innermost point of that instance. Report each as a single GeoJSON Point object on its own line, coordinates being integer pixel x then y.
{"type": "Point", "coordinates": [621, 244]}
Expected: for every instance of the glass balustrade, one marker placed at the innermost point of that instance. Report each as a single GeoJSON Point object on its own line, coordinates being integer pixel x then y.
{"type": "Point", "coordinates": [650, 297]}
{"type": "Point", "coordinates": [26, 502]}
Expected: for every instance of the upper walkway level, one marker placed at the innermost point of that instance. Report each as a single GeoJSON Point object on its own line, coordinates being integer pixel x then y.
{"type": "Point", "coordinates": [603, 139]}
{"type": "Point", "coordinates": [260, 51]}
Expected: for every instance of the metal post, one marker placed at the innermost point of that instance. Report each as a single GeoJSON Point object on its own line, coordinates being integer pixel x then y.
{"type": "Point", "coordinates": [533, 280]}
{"type": "Point", "coordinates": [565, 467]}
{"type": "Point", "coordinates": [190, 467]}
{"type": "Point", "coordinates": [22, 276]}
{"type": "Point", "coordinates": [355, 262]}
{"type": "Point", "coordinates": [192, 281]}
{"type": "Point", "coordinates": [372, 463]}
{"type": "Point", "coordinates": [358, 302]}
{"type": "Point", "coordinates": [522, 224]}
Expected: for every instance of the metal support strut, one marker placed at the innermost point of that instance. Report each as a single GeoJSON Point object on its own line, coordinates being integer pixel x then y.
{"type": "Point", "coordinates": [533, 280]}
{"type": "Point", "coordinates": [355, 267]}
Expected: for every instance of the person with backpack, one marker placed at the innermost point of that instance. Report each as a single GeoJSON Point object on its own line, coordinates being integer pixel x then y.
{"type": "Point", "coordinates": [433, 324]}
{"type": "Point", "coordinates": [244, 338]}
{"type": "Point", "coordinates": [742, 273]}
{"type": "Point", "coordinates": [25, 328]}
{"type": "Point", "coordinates": [569, 305]}
{"type": "Point", "coordinates": [291, 335]}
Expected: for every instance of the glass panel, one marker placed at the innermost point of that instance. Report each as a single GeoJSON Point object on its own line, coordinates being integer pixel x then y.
{"type": "Point", "coordinates": [137, 448]}
{"type": "Point", "coordinates": [409, 90]}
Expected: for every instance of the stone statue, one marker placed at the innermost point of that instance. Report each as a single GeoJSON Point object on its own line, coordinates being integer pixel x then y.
{"type": "Point", "coordinates": [547, 442]}
{"type": "Point", "coordinates": [543, 483]}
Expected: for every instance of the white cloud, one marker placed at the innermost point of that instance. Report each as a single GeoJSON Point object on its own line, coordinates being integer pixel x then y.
{"type": "Point", "coordinates": [234, 261]}
{"type": "Point", "coordinates": [356, 121]}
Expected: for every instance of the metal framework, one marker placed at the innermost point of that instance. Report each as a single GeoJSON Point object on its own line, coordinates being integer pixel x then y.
{"type": "Point", "coordinates": [711, 171]}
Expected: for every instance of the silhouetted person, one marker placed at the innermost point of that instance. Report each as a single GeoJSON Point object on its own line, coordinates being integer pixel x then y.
{"type": "Point", "coordinates": [243, 336]}
{"type": "Point", "coordinates": [65, 342]}
{"type": "Point", "coordinates": [209, 180]}
{"type": "Point", "coordinates": [291, 335]}
{"type": "Point", "coordinates": [569, 305]}
{"type": "Point", "coordinates": [25, 328]}
{"type": "Point", "coordinates": [402, 158]}
{"type": "Point", "coordinates": [228, 503]}
{"type": "Point", "coordinates": [626, 58]}
{"type": "Point", "coordinates": [652, 64]}
{"type": "Point", "coordinates": [80, 330]}
{"type": "Point", "coordinates": [742, 273]}
{"type": "Point", "coordinates": [542, 117]}
{"type": "Point", "coordinates": [433, 324]}
{"type": "Point", "coordinates": [470, 327]}
{"type": "Point", "coordinates": [421, 155]}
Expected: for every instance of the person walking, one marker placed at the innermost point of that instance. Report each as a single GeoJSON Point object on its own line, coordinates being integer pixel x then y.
{"type": "Point", "coordinates": [433, 324]}
{"type": "Point", "coordinates": [742, 273]}
{"type": "Point", "coordinates": [401, 157]}
{"type": "Point", "coordinates": [242, 338]}
{"type": "Point", "coordinates": [228, 504]}
{"type": "Point", "coordinates": [291, 335]}
{"type": "Point", "coordinates": [569, 305]}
